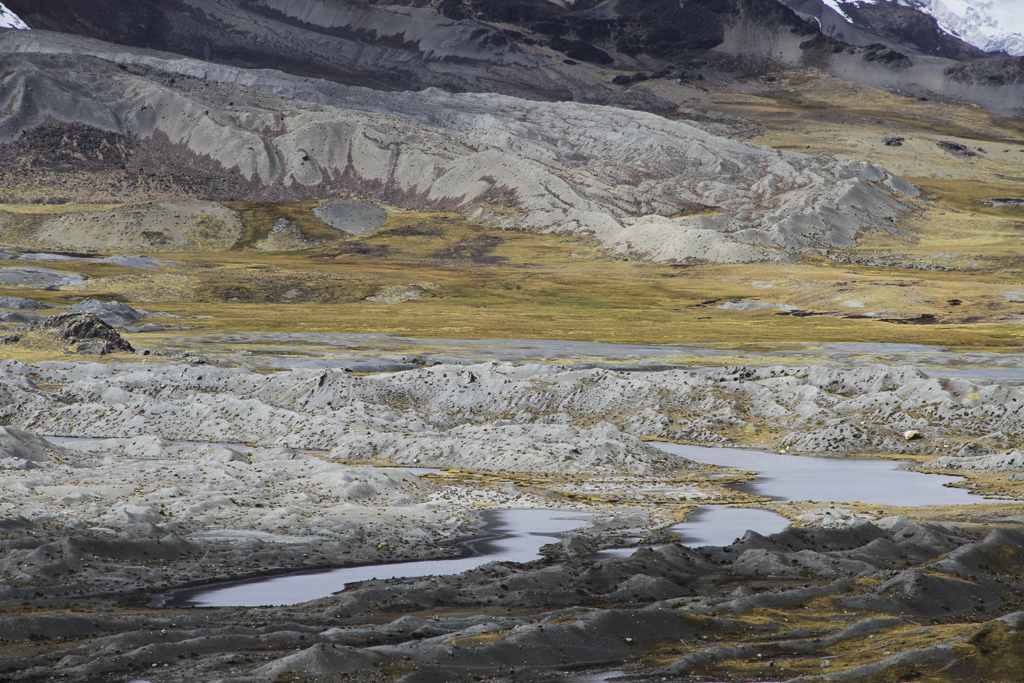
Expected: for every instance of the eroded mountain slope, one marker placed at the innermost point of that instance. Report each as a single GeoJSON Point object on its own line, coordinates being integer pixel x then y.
{"type": "Point", "coordinates": [638, 182]}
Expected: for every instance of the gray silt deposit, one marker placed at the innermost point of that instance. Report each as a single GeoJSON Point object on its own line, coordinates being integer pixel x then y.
{"type": "Point", "coordinates": [423, 415]}
{"type": "Point", "coordinates": [514, 622]}
{"type": "Point", "coordinates": [197, 473]}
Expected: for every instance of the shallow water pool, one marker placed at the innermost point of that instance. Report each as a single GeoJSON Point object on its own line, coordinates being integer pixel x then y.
{"type": "Point", "coordinates": [513, 536]}
{"type": "Point", "coordinates": [876, 481]}
{"type": "Point", "coordinates": [517, 535]}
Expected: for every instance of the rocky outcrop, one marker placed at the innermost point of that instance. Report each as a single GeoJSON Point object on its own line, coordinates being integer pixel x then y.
{"type": "Point", "coordinates": [110, 312]}
{"type": "Point", "coordinates": [92, 335]}
{"type": "Point", "coordinates": [797, 601]}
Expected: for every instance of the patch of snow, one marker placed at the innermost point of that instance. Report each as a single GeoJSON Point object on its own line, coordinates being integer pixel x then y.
{"type": "Point", "coordinates": [990, 25]}
{"type": "Point", "coordinates": [9, 19]}
{"type": "Point", "coordinates": [838, 7]}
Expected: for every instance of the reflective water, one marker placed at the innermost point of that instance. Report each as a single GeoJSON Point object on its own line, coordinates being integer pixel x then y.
{"type": "Point", "coordinates": [514, 536]}
{"type": "Point", "coordinates": [721, 525]}
{"type": "Point", "coordinates": [842, 480]}
{"type": "Point", "coordinates": [517, 535]}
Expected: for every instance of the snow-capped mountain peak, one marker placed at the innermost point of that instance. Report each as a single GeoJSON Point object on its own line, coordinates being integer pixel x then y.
{"type": "Point", "coordinates": [9, 19]}
{"type": "Point", "coordinates": [990, 25]}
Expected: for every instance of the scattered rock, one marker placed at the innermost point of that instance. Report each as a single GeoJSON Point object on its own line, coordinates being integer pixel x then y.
{"type": "Point", "coordinates": [956, 148]}
{"type": "Point", "coordinates": [159, 327]}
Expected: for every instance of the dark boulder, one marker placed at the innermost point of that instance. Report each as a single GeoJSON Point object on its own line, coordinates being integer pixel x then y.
{"type": "Point", "coordinates": [581, 50]}
{"type": "Point", "coordinates": [83, 327]}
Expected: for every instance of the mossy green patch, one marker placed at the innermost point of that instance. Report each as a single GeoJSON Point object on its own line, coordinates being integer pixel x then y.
{"type": "Point", "coordinates": [260, 218]}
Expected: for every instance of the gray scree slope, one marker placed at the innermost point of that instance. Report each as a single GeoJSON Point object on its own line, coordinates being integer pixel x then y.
{"type": "Point", "coordinates": [629, 178]}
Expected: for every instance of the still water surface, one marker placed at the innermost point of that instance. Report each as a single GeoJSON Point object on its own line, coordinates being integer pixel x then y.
{"type": "Point", "coordinates": [517, 535]}
{"type": "Point", "coordinates": [513, 536]}
{"type": "Point", "coordinates": [876, 481]}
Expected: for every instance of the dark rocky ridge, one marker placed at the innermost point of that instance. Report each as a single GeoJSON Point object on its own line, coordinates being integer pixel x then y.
{"type": "Point", "coordinates": [892, 23]}
{"type": "Point", "coordinates": [530, 48]}
{"type": "Point", "coordinates": [198, 28]}
{"type": "Point", "coordinates": [993, 72]}
{"type": "Point", "coordinates": [698, 611]}
{"type": "Point", "coordinates": [355, 44]}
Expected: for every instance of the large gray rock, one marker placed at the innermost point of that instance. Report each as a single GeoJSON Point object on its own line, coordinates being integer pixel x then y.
{"type": "Point", "coordinates": [110, 312]}
{"type": "Point", "coordinates": [354, 218]}
{"type": "Point", "coordinates": [22, 450]}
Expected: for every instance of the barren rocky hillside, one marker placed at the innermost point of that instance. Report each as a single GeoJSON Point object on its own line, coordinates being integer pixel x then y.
{"type": "Point", "coordinates": [524, 341]}
{"type": "Point", "coordinates": [638, 182]}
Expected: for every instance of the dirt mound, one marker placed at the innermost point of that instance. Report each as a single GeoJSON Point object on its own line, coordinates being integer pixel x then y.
{"type": "Point", "coordinates": [22, 450]}
{"type": "Point", "coordinates": [354, 218]}
{"type": "Point", "coordinates": [171, 226]}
